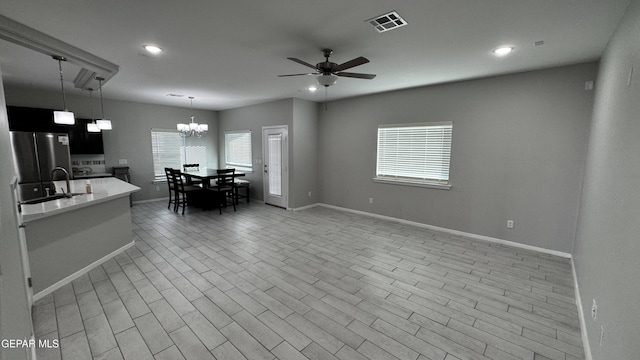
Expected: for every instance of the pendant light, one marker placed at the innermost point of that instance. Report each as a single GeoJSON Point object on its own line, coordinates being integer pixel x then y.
{"type": "Point", "coordinates": [92, 127]}
{"type": "Point", "coordinates": [64, 117]}
{"type": "Point", "coordinates": [103, 124]}
{"type": "Point", "coordinates": [192, 128]}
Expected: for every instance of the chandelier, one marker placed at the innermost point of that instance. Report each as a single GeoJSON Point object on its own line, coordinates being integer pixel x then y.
{"type": "Point", "coordinates": [192, 128]}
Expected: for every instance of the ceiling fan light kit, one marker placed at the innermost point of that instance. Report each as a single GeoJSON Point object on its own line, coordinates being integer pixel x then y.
{"type": "Point", "coordinates": [327, 80]}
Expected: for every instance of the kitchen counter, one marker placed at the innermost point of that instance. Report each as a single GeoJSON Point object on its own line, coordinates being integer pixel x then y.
{"type": "Point", "coordinates": [103, 189]}
{"type": "Point", "coordinates": [70, 236]}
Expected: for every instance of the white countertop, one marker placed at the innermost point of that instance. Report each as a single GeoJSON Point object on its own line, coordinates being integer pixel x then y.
{"type": "Point", "coordinates": [103, 189]}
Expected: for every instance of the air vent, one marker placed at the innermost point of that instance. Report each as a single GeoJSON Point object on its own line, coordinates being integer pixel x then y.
{"type": "Point", "coordinates": [175, 95]}
{"type": "Point", "coordinates": [387, 22]}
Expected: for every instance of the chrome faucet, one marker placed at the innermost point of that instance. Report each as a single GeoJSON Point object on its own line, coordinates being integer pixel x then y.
{"type": "Point", "coordinates": [66, 175]}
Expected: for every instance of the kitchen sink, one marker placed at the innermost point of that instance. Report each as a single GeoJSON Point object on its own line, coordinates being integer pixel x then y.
{"type": "Point", "coordinates": [47, 198]}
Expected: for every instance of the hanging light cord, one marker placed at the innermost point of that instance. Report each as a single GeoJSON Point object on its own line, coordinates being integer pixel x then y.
{"type": "Point", "coordinates": [64, 100]}
{"type": "Point", "coordinates": [101, 101]}
{"type": "Point", "coordinates": [93, 119]}
{"type": "Point", "coordinates": [192, 115]}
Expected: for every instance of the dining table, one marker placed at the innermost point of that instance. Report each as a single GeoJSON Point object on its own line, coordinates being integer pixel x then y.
{"type": "Point", "coordinates": [206, 175]}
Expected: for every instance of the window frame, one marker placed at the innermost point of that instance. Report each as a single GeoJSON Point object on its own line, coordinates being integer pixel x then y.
{"type": "Point", "coordinates": [436, 183]}
{"type": "Point", "coordinates": [243, 167]}
{"type": "Point", "coordinates": [183, 150]}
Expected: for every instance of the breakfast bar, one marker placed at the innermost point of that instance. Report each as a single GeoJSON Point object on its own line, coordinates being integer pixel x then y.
{"type": "Point", "coordinates": [68, 236]}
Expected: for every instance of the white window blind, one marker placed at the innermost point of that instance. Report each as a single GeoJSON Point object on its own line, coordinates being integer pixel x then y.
{"type": "Point", "coordinates": [414, 152]}
{"type": "Point", "coordinates": [237, 149]}
{"type": "Point", "coordinates": [169, 149]}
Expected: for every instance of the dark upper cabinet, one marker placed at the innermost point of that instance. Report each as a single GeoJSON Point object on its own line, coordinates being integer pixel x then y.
{"type": "Point", "coordinates": [83, 142]}
{"type": "Point", "coordinates": [41, 120]}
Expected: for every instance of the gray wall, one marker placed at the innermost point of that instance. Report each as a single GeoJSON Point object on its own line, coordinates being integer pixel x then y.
{"type": "Point", "coordinates": [305, 154]}
{"type": "Point", "coordinates": [253, 118]}
{"type": "Point", "coordinates": [607, 248]}
{"type": "Point", "coordinates": [302, 120]}
{"type": "Point", "coordinates": [15, 316]}
{"type": "Point", "coordinates": [518, 150]}
{"type": "Point", "coordinates": [130, 138]}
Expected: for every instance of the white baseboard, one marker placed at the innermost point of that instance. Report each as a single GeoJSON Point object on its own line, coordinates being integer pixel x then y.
{"type": "Point", "coordinates": [150, 200]}
{"type": "Point", "coordinates": [450, 231]}
{"type": "Point", "coordinates": [583, 324]}
{"type": "Point", "coordinates": [79, 273]}
{"type": "Point", "coordinates": [304, 207]}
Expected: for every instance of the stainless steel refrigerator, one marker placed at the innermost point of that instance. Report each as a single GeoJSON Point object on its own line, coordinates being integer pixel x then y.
{"type": "Point", "coordinates": [35, 155]}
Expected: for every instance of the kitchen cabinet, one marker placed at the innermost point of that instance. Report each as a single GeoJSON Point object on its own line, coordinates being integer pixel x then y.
{"type": "Point", "coordinates": [83, 142]}
{"type": "Point", "coordinates": [41, 120]}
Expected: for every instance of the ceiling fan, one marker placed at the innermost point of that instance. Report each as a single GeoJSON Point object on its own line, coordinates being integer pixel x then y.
{"type": "Point", "coordinates": [327, 72]}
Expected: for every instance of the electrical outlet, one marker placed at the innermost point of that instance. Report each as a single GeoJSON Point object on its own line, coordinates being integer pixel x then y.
{"type": "Point", "coordinates": [509, 224]}
{"type": "Point", "coordinates": [594, 310]}
{"type": "Point", "coordinates": [122, 161]}
{"type": "Point", "coordinates": [370, 200]}
{"type": "Point", "coordinates": [309, 193]}
{"type": "Point", "coordinates": [157, 188]}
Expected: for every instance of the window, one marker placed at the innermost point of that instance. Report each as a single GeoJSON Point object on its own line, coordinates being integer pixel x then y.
{"type": "Point", "coordinates": [170, 150]}
{"type": "Point", "coordinates": [414, 154]}
{"type": "Point", "coordinates": [237, 150]}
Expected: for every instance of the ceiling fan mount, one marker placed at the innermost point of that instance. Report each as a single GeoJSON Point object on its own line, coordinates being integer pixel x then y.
{"type": "Point", "coordinates": [329, 71]}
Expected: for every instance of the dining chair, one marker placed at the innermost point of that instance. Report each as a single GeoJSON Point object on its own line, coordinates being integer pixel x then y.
{"type": "Point", "coordinates": [191, 167]}
{"type": "Point", "coordinates": [171, 185]}
{"type": "Point", "coordinates": [183, 192]}
{"type": "Point", "coordinates": [241, 184]}
{"type": "Point", "coordinates": [224, 188]}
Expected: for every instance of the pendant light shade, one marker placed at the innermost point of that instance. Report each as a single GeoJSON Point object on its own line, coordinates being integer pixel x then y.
{"type": "Point", "coordinates": [103, 124]}
{"type": "Point", "coordinates": [93, 128]}
{"type": "Point", "coordinates": [64, 117]}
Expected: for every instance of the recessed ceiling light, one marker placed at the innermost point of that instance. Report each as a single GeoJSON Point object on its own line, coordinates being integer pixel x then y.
{"type": "Point", "coordinates": [312, 88]}
{"type": "Point", "coordinates": [152, 49]}
{"type": "Point", "coordinates": [503, 50]}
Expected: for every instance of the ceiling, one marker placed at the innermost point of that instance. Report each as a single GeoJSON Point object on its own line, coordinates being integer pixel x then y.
{"type": "Point", "coordinates": [229, 54]}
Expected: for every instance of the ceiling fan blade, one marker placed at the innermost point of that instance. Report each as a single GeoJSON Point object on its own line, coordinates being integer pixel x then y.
{"type": "Point", "coordinates": [296, 74]}
{"type": "Point", "coordinates": [302, 62]}
{"type": "Point", "coordinates": [356, 75]}
{"type": "Point", "coordinates": [351, 63]}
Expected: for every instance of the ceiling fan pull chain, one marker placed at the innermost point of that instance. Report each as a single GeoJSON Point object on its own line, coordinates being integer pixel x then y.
{"type": "Point", "coordinates": [326, 95]}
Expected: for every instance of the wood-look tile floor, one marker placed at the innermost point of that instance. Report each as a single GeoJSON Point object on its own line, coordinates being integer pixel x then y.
{"type": "Point", "coordinates": [265, 283]}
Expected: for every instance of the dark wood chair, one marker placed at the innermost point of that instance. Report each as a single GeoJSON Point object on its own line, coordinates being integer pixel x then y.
{"type": "Point", "coordinates": [183, 192]}
{"type": "Point", "coordinates": [172, 187]}
{"type": "Point", "coordinates": [241, 184]}
{"type": "Point", "coordinates": [224, 188]}
{"type": "Point", "coordinates": [188, 179]}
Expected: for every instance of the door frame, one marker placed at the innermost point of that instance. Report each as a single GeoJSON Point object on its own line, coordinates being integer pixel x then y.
{"type": "Point", "coordinates": [284, 200]}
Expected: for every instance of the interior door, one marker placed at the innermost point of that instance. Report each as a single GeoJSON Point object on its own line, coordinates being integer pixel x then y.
{"type": "Point", "coordinates": [275, 154]}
